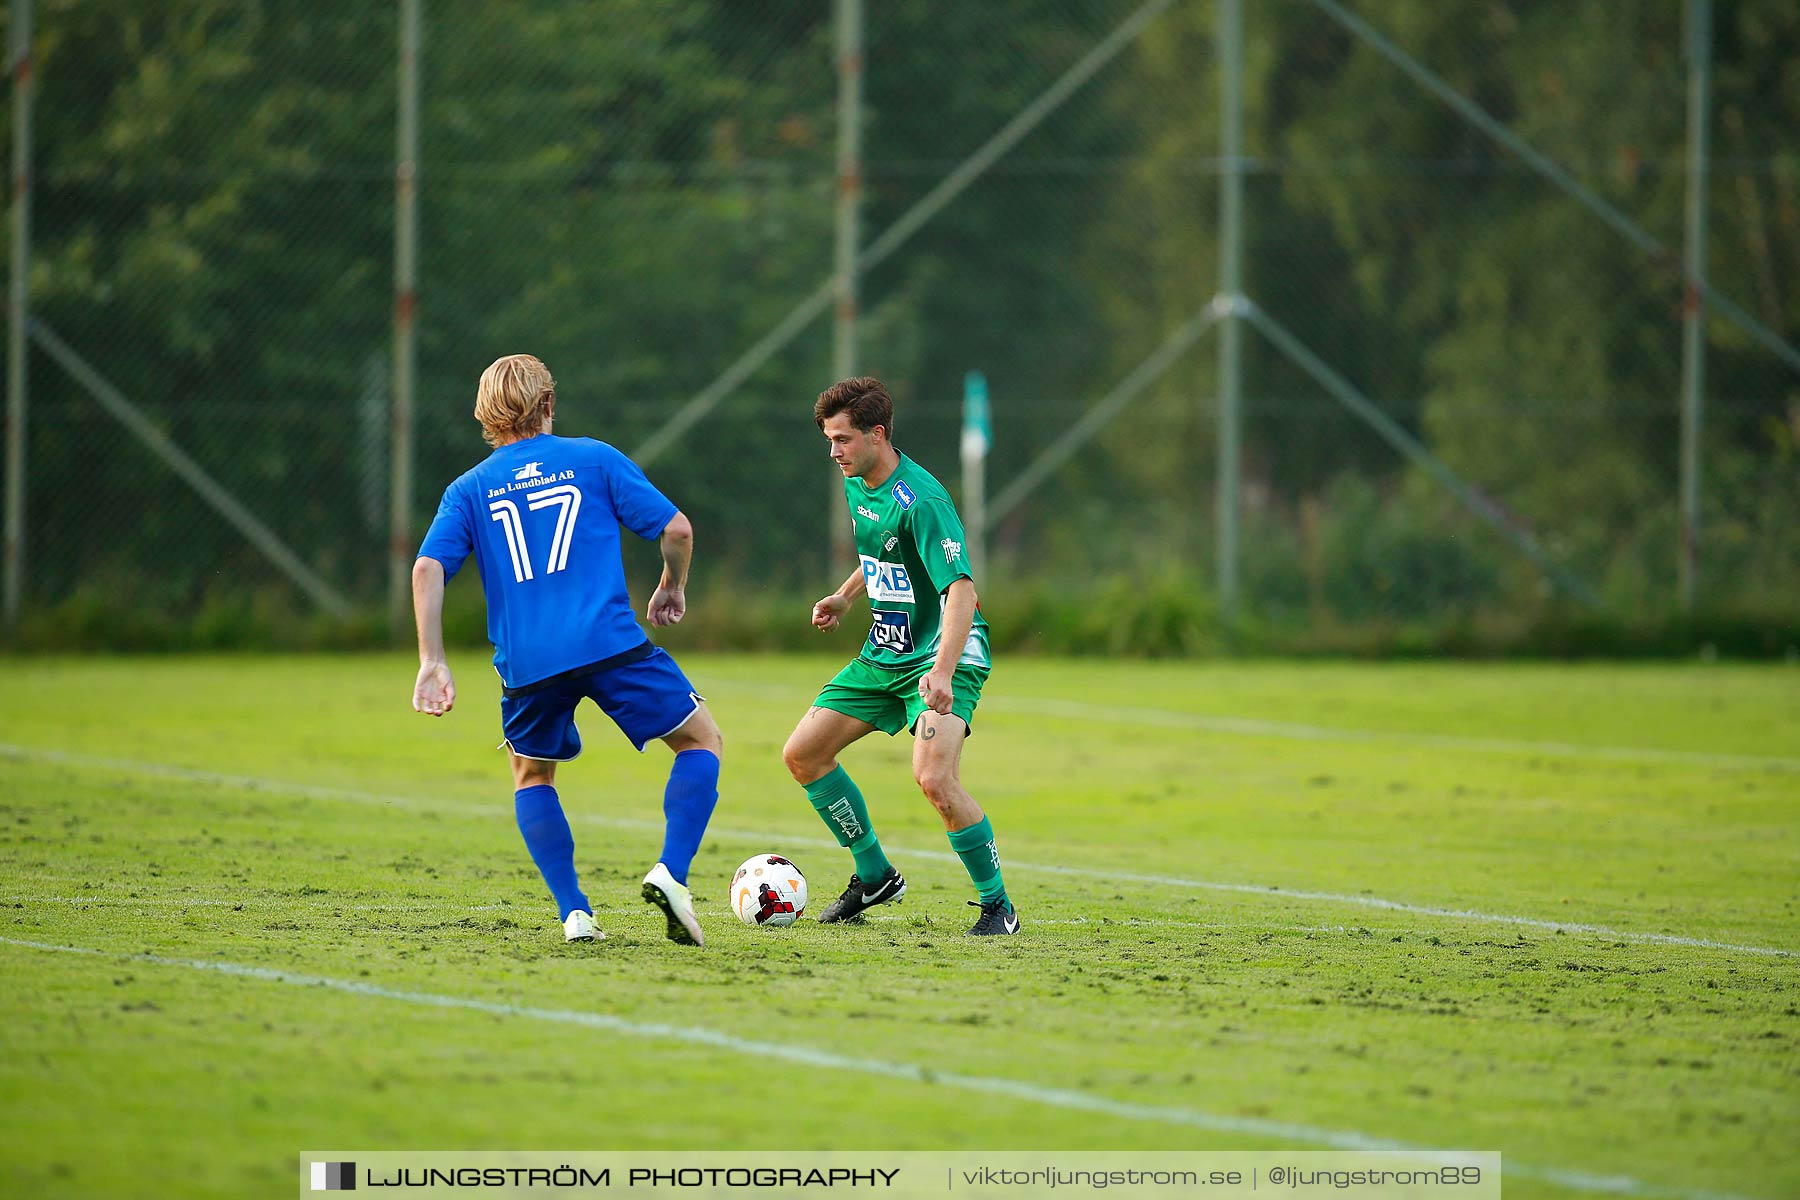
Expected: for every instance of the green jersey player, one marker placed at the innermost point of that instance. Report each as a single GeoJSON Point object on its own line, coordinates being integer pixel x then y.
{"type": "Point", "coordinates": [921, 668]}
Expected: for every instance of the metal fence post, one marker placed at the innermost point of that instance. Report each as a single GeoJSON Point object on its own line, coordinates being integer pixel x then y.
{"type": "Point", "coordinates": [1532, 157]}
{"type": "Point", "coordinates": [18, 297]}
{"type": "Point", "coordinates": [1693, 307]}
{"type": "Point", "coordinates": [406, 251]}
{"type": "Point", "coordinates": [904, 227]}
{"type": "Point", "coordinates": [849, 212]}
{"type": "Point", "coordinates": [1231, 283]}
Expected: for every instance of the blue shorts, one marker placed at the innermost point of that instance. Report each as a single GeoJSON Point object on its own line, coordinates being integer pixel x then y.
{"type": "Point", "coordinates": [647, 699]}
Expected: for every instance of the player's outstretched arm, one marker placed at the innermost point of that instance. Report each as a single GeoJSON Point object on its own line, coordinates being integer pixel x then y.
{"type": "Point", "coordinates": [829, 611]}
{"type": "Point", "coordinates": [669, 603]}
{"type": "Point", "coordinates": [434, 692]}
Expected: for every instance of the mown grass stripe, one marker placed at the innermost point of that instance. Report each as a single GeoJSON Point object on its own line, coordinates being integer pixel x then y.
{"type": "Point", "coordinates": [1257, 727]}
{"type": "Point", "coordinates": [310, 791]}
{"type": "Point", "coordinates": [1253, 727]}
{"type": "Point", "coordinates": [812, 1056]}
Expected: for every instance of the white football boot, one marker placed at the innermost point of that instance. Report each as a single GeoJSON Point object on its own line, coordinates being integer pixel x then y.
{"type": "Point", "coordinates": [580, 927]}
{"type": "Point", "coordinates": [677, 904]}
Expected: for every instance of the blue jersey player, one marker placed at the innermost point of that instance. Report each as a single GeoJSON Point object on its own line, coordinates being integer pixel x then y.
{"type": "Point", "coordinates": [542, 515]}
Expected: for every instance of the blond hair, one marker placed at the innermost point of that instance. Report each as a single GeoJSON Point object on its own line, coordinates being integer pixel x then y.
{"type": "Point", "coordinates": [514, 399]}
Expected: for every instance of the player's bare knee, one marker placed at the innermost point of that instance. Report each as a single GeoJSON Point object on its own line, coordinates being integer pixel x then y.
{"type": "Point", "coordinates": [715, 742]}
{"type": "Point", "coordinates": [532, 772]}
{"type": "Point", "coordinates": [939, 784]}
{"type": "Point", "coordinates": [800, 761]}
{"type": "Point", "coordinates": [945, 803]}
{"type": "Point", "coordinates": [700, 733]}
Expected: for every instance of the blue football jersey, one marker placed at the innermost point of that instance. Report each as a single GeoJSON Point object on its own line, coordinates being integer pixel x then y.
{"type": "Point", "coordinates": [542, 518]}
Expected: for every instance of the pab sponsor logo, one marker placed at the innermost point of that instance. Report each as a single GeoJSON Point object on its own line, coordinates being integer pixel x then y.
{"type": "Point", "coordinates": [887, 583]}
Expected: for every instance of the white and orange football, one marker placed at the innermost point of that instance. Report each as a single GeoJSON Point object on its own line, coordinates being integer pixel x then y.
{"type": "Point", "coordinates": [768, 890]}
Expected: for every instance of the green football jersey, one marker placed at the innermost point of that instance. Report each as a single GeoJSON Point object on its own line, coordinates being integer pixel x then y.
{"type": "Point", "coordinates": [910, 541]}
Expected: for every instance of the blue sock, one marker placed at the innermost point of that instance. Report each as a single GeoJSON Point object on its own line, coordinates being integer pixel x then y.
{"type": "Point", "coordinates": [687, 806]}
{"type": "Point", "coordinates": [552, 846]}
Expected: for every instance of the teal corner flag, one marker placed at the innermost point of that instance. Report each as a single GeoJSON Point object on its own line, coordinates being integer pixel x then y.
{"type": "Point", "coordinates": [977, 426]}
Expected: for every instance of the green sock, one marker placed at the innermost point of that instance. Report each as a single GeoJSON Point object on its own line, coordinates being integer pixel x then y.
{"type": "Point", "coordinates": [840, 805]}
{"type": "Point", "coordinates": [975, 846]}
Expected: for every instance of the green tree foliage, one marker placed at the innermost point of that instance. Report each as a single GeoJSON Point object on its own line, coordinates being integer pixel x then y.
{"type": "Point", "coordinates": [1533, 348]}
{"type": "Point", "coordinates": [638, 191]}
{"type": "Point", "coordinates": [209, 232]}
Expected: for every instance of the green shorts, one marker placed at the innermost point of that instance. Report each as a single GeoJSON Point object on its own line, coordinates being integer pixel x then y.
{"type": "Point", "coordinates": [889, 699]}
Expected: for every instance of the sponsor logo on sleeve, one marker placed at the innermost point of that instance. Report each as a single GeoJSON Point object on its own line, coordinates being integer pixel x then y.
{"type": "Point", "coordinates": [952, 551]}
{"type": "Point", "coordinates": [887, 583]}
{"type": "Point", "coordinates": [903, 495]}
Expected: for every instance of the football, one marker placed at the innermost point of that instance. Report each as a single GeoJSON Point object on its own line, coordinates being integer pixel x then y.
{"type": "Point", "coordinates": [768, 890]}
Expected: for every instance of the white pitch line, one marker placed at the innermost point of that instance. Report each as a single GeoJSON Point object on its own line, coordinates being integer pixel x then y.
{"type": "Point", "coordinates": [1257, 889]}
{"type": "Point", "coordinates": [1424, 910]}
{"type": "Point", "coordinates": [288, 904]}
{"type": "Point", "coordinates": [253, 783]}
{"type": "Point", "coordinates": [282, 902]}
{"type": "Point", "coordinates": [1252, 727]}
{"type": "Point", "coordinates": [291, 904]}
{"type": "Point", "coordinates": [1168, 718]}
{"type": "Point", "coordinates": [1055, 1097]}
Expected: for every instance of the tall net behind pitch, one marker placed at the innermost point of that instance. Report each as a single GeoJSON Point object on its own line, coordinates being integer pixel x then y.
{"type": "Point", "coordinates": [644, 195]}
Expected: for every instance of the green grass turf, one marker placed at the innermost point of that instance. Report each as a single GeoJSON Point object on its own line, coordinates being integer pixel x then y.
{"type": "Point", "coordinates": [379, 849]}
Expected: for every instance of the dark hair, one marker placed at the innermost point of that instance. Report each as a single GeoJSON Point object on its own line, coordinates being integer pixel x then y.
{"type": "Point", "coordinates": [864, 398]}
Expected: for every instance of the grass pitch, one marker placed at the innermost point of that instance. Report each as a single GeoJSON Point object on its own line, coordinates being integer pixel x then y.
{"type": "Point", "coordinates": [256, 906]}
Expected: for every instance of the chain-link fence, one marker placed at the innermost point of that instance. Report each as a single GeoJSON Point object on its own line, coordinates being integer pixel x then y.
{"type": "Point", "coordinates": [1461, 315]}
